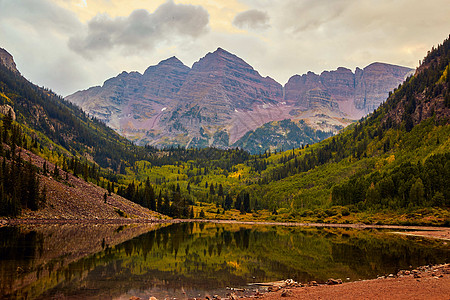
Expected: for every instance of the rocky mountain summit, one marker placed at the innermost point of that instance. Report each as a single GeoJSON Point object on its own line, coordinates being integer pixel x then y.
{"type": "Point", "coordinates": [354, 94]}
{"type": "Point", "coordinates": [221, 98]}
{"type": "Point", "coordinates": [7, 60]}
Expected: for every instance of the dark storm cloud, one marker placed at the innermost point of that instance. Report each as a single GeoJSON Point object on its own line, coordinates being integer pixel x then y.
{"type": "Point", "coordinates": [38, 14]}
{"type": "Point", "coordinates": [252, 19]}
{"type": "Point", "coordinates": [141, 30]}
{"type": "Point", "coordinates": [34, 32]}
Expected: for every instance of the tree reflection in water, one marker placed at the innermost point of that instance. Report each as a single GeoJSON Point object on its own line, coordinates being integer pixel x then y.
{"type": "Point", "coordinates": [191, 259]}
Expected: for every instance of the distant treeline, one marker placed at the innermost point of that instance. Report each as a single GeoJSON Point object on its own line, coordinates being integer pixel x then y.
{"type": "Point", "coordinates": [19, 182]}
{"type": "Point", "coordinates": [408, 185]}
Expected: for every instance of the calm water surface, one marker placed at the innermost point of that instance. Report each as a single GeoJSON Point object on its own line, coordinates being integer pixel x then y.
{"type": "Point", "coordinates": [193, 259]}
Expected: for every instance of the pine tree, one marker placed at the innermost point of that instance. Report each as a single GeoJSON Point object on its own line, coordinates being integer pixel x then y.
{"type": "Point", "coordinates": [238, 202]}
{"type": "Point", "coordinates": [228, 202]}
{"type": "Point", "coordinates": [417, 193]}
{"type": "Point", "coordinates": [149, 195]}
{"type": "Point", "coordinates": [56, 171]}
{"type": "Point", "coordinates": [85, 171]}
{"type": "Point", "coordinates": [159, 202]}
{"type": "Point", "coordinates": [246, 202]}
{"type": "Point", "coordinates": [7, 120]}
{"type": "Point", "coordinates": [109, 188]}
{"type": "Point", "coordinates": [220, 192]}
{"type": "Point", "coordinates": [45, 168]}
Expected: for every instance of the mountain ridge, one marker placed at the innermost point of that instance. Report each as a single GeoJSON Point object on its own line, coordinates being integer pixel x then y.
{"type": "Point", "coordinates": [221, 94]}
{"type": "Point", "coordinates": [395, 158]}
{"type": "Point", "coordinates": [57, 162]}
{"type": "Point", "coordinates": [7, 60]}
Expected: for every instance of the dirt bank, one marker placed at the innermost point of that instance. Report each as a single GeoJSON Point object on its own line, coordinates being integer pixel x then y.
{"type": "Point", "coordinates": [428, 282]}
{"type": "Point", "coordinates": [69, 197]}
{"type": "Point", "coordinates": [424, 231]}
{"type": "Point", "coordinates": [442, 233]}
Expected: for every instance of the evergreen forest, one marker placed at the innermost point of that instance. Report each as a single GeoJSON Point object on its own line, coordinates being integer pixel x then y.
{"type": "Point", "coordinates": [395, 160]}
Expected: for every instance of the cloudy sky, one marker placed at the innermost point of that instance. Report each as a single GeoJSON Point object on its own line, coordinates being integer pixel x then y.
{"type": "Point", "coordinates": [68, 45]}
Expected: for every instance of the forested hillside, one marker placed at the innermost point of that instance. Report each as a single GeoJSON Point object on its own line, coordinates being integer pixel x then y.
{"type": "Point", "coordinates": [63, 127]}
{"type": "Point", "coordinates": [394, 161]}
{"type": "Point", "coordinates": [397, 158]}
{"type": "Point", "coordinates": [281, 135]}
{"type": "Point", "coordinates": [418, 113]}
{"type": "Point", "coordinates": [19, 182]}
{"type": "Point", "coordinates": [35, 121]}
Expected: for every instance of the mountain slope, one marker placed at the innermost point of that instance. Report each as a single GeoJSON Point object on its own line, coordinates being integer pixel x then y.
{"type": "Point", "coordinates": [42, 138]}
{"type": "Point", "coordinates": [355, 94]}
{"type": "Point", "coordinates": [279, 136]}
{"type": "Point", "coordinates": [221, 98]}
{"type": "Point", "coordinates": [7, 60]}
{"type": "Point", "coordinates": [70, 197]}
{"type": "Point", "coordinates": [396, 158]}
{"type": "Point", "coordinates": [61, 126]}
{"type": "Point", "coordinates": [390, 167]}
{"type": "Point", "coordinates": [218, 85]}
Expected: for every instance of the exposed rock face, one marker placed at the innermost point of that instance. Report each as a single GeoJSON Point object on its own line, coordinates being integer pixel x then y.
{"type": "Point", "coordinates": [164, 80]}
{"type": "Point", "coordinates": [221, 98]}
{"type": "Point", "coordinates": [132, 101]}
{"type": "Point", "coordinates": [173, 104]}
{"type": "Point", "coordinates": [216, 88]}
{"type": "Point", "coordinates": [372, 83]}
{"type": "Point", "coordinates": [7, 60]}
{"type": "Point", "coordinates": [236, 81]}
{"type": "Point", "coordinates": [356, 94]}
{"type": "Point", "coordinates": [6, 109]}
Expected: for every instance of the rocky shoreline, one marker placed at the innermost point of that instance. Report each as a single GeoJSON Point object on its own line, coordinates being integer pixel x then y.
{"type": "Point", "coordinates": [426, 282]}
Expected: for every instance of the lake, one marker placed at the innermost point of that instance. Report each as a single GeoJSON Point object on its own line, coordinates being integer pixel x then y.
{"type": "Point", "coordinates": [194, 259]}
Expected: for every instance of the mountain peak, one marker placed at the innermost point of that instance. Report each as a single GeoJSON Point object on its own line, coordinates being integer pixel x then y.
{"type": "Point", "coordinates": [7, 60]}
{"type": "Point", "coordinates": [224, 53]}
{"type": "Point", "coordinates": [174, 103]}
{"type": "Point", "coordinates": [381, 65]}
{"type": "Point", "coordinates": [221, 50]}
{"type": "Point", "coordinates": [220, 59]}
{"type": "Point", "coordinates": [173, 62]}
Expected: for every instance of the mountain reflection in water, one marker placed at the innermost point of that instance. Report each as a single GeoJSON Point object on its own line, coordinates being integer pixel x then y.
{"type": "Point", "coordinates": [193, 259]}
